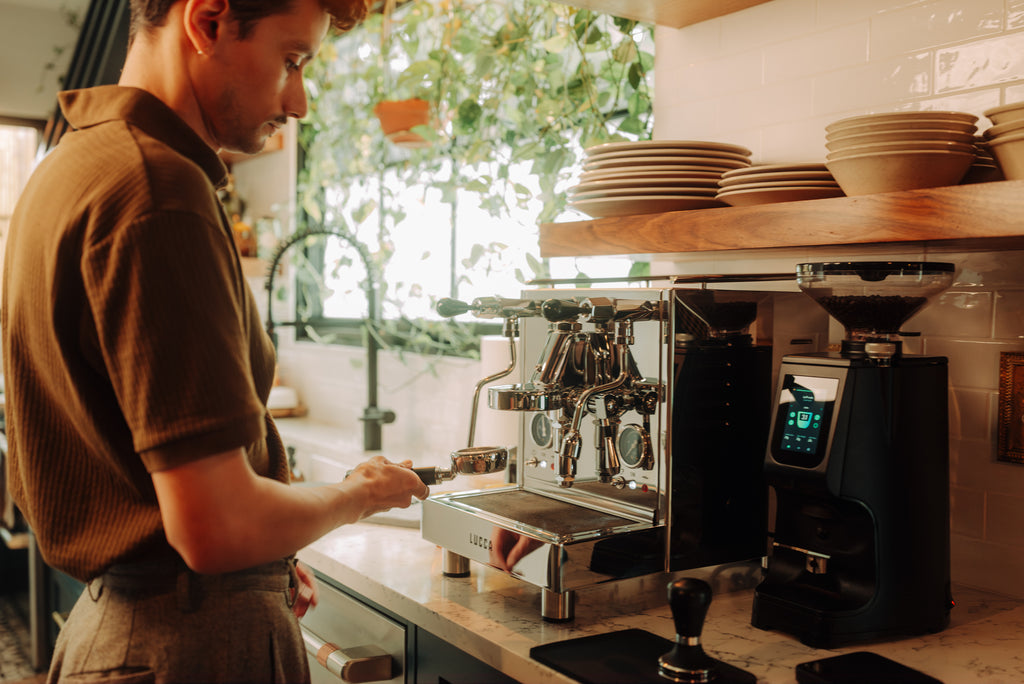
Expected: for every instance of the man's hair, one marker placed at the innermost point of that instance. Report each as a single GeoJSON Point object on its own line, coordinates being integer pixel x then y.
{"type": "Point", "coordinates": [150, 14]}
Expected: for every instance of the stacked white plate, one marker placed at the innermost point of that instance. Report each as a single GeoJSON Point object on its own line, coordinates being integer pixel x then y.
{"type": "Point", "coordinates": [900, 150]}
{"type": "Point", "coordinates": [646, 177]}
{"type": "Point", "coordinates": [766, 183]}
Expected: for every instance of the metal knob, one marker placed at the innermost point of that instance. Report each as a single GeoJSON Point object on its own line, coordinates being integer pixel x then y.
{"type": "Point", "coordinates": [451, 307]}
{"type": "Point", "coordinates": [561, 310]}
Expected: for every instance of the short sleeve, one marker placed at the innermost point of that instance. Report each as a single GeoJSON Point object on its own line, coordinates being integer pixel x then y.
{"type": "Point", "coordinates": [168, 306]}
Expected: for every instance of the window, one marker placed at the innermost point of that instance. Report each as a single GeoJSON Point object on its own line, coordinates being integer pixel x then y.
{"type": "Point", "coordinates": [18, 144]}
{"type": "Point", "coordinates": [518, 90]}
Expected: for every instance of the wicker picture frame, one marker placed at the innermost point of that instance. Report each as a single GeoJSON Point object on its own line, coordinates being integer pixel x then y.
{"type": "Point", "coordinates": [1010, 446]}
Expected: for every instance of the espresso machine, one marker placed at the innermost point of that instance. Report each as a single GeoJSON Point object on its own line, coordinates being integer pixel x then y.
{"type": "Point", "coordinates": [858, 461]}
{"type": "Point", "coordinates": [644, 423]}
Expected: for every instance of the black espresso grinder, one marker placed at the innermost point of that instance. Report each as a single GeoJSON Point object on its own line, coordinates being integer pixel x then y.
{"type": "Point", "coordinates": [858, 459]}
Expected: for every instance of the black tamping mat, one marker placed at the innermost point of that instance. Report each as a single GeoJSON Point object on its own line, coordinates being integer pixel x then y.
{"type": "Point", "coordinates": [628, 656]}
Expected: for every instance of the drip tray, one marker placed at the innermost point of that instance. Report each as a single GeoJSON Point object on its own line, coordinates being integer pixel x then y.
{"type": "Point", "coordinates": [557, 518]}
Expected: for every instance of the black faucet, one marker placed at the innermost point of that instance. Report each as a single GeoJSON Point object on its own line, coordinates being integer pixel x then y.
{"type": "Point", "coordinates": [373, 417]}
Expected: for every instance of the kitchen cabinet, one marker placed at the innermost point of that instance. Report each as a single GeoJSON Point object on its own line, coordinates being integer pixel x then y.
{"type": "Point", "coordinates": [977, 217]}
{"type": "Point", "coordinates": [346, 619]}
{"type": "Point", "coordinates": [671, 13]}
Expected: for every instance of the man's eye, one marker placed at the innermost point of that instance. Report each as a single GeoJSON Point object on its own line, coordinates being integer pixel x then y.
{"type": "Point", "coordinates": [291, 65]}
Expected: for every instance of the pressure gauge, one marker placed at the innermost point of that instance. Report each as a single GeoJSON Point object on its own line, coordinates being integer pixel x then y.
{"type": "Point", "coordinates": [540, 430]}
{"type": "Point", "coordinates": [635, 447]}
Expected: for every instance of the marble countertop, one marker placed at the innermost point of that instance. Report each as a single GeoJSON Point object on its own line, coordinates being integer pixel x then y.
{"type": "Point", "coordinates": [496, 618]}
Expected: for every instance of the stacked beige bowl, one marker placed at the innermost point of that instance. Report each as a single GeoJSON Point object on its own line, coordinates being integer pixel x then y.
{"type": "Point", "coordinates": [900, 150]}
{"type": "Point", "coordinates": [1005, 138]}
{"type": "Point", "coordinates": [651, 176]}
{"type": "Point", "coordinates": [985, 168]}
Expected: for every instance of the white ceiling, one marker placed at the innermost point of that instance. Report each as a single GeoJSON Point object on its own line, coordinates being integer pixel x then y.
{"type": "Point", "coordinates": [30, 33]}
{"type": "Point", "coordinates": [49, 4]}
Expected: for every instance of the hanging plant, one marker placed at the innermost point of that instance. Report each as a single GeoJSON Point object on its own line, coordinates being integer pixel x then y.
{"type": "Point", "coordinates": [507, 84]}
{"type": "Point", "coordinates": [402, 119]}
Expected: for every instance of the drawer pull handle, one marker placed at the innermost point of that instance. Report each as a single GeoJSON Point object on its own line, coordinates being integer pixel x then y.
{"type": "Point", "coordinates": [355, 665]}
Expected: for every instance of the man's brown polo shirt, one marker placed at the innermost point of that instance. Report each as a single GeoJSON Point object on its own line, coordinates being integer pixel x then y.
{"type": "Point", "coordinates": [131, 342]}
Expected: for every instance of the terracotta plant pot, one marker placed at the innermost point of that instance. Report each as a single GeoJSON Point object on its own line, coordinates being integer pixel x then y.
{"type": "Point", "coordinates": [398, 117]}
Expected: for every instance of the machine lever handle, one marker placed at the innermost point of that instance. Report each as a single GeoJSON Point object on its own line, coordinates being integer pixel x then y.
{"type": "Point", "coordinates": [561, 310]}
{"type": "Point", "coordinates": [451, 307]}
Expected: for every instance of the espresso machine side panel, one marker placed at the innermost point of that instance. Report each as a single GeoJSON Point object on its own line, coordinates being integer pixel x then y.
{"type": "Point", "coordinates": [721, 410]}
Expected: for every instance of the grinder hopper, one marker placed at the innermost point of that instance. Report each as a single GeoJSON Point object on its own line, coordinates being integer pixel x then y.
{"type": "Point", "coordinates": [873, 299]}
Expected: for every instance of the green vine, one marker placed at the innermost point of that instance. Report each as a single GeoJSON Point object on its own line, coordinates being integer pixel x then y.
{"type": "Point", "coordinates": [510, 82]}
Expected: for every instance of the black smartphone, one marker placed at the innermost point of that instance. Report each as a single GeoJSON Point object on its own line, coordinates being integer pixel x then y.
{"type": "Point", "coordinates": [860, 667]}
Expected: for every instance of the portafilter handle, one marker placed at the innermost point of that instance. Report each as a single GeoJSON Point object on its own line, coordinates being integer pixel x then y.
{"type": "Point", "coordinates": [432, 475]}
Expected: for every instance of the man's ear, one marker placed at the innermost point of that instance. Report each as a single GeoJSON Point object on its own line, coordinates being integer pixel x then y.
{"type": "Point", "coordinates": [205, 23]}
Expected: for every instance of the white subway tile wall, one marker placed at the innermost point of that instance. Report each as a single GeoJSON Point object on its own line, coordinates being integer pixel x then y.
{"type": "Point", "coordinates": [431, 398]}
{"type": "Point", "coordinates": [771, 77]}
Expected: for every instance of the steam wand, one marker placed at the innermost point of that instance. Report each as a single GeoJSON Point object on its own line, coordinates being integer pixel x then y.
{"type": "Point", "coordinates": [489, 307]}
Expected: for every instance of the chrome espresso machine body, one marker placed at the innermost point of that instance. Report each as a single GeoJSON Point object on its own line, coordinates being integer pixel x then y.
{"type": "Point", "coordinates": [645, 420]}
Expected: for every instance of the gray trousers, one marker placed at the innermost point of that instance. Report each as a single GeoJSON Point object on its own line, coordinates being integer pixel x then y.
{"type": "Point", "coordinates": [143, 623]}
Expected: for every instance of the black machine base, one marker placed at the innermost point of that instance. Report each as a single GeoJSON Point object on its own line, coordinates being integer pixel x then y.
{"type": "Point", "coordinates": [827, 629]}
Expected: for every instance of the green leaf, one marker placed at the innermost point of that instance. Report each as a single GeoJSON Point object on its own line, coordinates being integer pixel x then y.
{"type": "Point", "coordinates": [625, 52]}
{"type": "Point", "coordinates": [363, 211]}
{"type": "Point", "coordinates": [469, 113]}
{"type": "Point", "coordinates": [635, 75]}
{"type": "Point", "coordinates": [640, 269]}
{"type": "Point", "coordinates": [556, 44]}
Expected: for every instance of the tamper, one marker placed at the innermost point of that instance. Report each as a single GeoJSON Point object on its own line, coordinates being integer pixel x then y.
{"type": "Point", "coordinates": [687, 662]}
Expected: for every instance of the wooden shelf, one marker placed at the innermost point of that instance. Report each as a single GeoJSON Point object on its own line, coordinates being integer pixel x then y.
{"type": "Point", "coordinates": [978, 217]}
{"type": "Point", "coordinates": [672, 13]}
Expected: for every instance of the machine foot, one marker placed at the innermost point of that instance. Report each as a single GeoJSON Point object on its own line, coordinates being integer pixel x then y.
{"type": "Point", "coordinates": [557, 606]}
{"type": "Point", "coordinates": [454, 565]}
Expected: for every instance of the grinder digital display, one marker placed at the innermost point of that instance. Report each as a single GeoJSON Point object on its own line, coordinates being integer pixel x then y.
{"type": "Point", "coordinates": [802, 423]}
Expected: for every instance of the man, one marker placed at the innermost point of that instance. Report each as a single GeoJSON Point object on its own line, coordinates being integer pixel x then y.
{"type": "Point", "coordinates": [137, 371]}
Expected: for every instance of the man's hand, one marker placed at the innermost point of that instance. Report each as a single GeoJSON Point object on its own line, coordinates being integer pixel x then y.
{"type": "Point", "coordinates": [385, 485]}
{"type": "Point", "coordinates": [305, 594]}
{"type": "Point", "coordinates": [508, 548]}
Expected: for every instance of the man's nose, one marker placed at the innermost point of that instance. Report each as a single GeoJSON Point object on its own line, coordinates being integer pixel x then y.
{"type": "Point", "coordinates": [296, 104]}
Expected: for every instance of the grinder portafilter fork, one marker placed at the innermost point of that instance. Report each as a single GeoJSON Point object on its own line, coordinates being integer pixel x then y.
{"type": "Point", "coordinates": [689, 599]}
